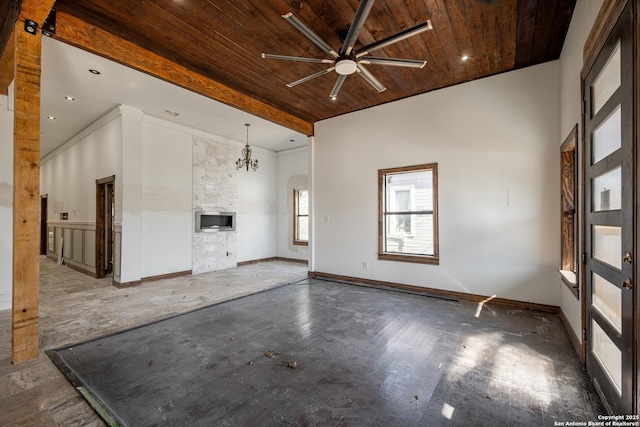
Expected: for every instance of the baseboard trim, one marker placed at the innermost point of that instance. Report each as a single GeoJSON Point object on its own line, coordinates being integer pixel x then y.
{"type": "Point", "coordinates": [167, 276]}
{"type": "Point", "coordinates": [461, 295]}
{"type": "Point", "coordinates": [127, 284]}
{"type": "Point", "coordinates": [299, 261]}
{"type": "Point", "coordinates": [275, 258]}
{"type": "Point", "coordinates": [152, 279]}
{"type": "Point", "coordinates": [577, 345]}
{"type": "Point", "coordinates": [80, 269]}
{"type": "Point", "coordinates": [256, 261]}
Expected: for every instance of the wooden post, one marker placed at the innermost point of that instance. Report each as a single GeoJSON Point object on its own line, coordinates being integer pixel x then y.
{"type": "Point", "coordinates": [26, 180]}
{"type": "Point", "coordinates": [26, 194]}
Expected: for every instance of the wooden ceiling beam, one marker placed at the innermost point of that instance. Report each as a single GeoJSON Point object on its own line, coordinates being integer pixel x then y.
{"type": "Point", "coordinates": [6, 65]}
{"type": "Point", "coordinates": [76, 32]}
{"type": "Point", "coordinates": [36, 10]}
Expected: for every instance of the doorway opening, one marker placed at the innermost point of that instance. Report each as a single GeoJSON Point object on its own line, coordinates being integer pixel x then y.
{"type": "Point", "coordinates": [105, 225]}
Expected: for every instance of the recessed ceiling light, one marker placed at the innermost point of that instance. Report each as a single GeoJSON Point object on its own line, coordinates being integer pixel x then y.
{"type": "Point", "coordinates": [464, 57]}
{"type": "Point", "coordinates": [96, 72]}
{"type": "Point", "coordinates": [51, 118]}
{"type": "Point", "coordinates": [69, 98]}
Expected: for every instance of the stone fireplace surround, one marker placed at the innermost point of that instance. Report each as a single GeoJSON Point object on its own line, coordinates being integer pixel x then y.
{"type": "Point", "coordinates": [214, 190]}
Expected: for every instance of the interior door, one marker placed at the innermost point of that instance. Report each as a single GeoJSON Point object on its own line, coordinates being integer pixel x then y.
{"type": "Point", "coordinates": [43, 224]}
{"type": "Point", "coordinates": [609, 227]}
{"type": "Point", "coordinates": [105, 211]}
{"type": "Point", "coordinates": [109, 228]}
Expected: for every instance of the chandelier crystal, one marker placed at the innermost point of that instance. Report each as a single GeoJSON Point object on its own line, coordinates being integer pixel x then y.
{"type": "Point", "coordinates": [245, 161]}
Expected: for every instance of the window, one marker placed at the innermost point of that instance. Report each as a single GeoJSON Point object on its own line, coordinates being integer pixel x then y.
{"type": "Point", "coordinates": [301, 217]}
{"type": "Point", "coordinates": [568, 228]}
{"type": "Point", "coordinates": [408, 214]}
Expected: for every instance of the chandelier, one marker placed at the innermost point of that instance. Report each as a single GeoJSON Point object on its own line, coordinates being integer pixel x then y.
{"type": "Point", "coordinates": [245, 160]}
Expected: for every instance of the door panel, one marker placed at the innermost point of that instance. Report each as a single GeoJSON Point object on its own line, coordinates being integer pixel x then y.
{"type": "Point", "coordinates": [609, 226]}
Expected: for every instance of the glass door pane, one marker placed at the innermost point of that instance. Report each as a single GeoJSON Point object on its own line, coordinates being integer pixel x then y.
{"type": "Point", "coordinates": [606, 191]}
{"type": "Point", "coordinates": [609, 356]}
{"type": "Point", "coordinates": [607, 245]}
{"type": "Point", "coordinates": [607, 299]}
{"type": "Point", "coordinates": [607, 82]}
{"type": "Point", "coordinates": [607, 137]}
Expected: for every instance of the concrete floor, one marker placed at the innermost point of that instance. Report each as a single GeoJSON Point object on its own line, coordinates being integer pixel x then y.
{"type": "Point", "coordinates": [478, 370]}
{"type": "Point", "coordinates": [363, 356]}
{"type": "Point", "coordinates": [74, 308]}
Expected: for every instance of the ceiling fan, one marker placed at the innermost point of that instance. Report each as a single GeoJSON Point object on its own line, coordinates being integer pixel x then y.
{"type": "Point", "coordinates": [346, 61]}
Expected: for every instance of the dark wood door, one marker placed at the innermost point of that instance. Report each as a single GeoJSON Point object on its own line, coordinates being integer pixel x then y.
{"type": "Point", "coordinates": [109, 229]}
{"type": "Point", "coordinates": [609, 226]}
{"type": "Point", "coordinates": [105, 210]}
{"type": "Point", "coordinates": [43, 225]}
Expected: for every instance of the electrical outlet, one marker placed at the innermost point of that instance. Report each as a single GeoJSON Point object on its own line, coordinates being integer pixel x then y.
{"type": "Point", "coordinates": [365, 265]}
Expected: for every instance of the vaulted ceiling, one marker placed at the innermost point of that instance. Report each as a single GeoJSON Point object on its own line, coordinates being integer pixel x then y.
{"type": "Point", "coordinates": [224, 40]}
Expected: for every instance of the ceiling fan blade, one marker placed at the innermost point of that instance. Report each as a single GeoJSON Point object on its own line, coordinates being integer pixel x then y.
{"type": "Point", "coordinates": [371, 79]}
{"type": "Point", "coordinates": [312, 76]}
{"type": "Point", "coordinates": [308, 33]}
{"type": "Point", "coordinates": [356, 26]}
{"type": "Point", "coordinates": [397, 62]}
{"type": "Point", "coordinates": [395, 38]}
{"type": "Point", "coordinates": [297, 58]}
{"type": "Point", "coordinates": [337, 86]}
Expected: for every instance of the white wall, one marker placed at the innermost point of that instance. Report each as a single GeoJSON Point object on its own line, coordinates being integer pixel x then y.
{"type": "Point", "coordinates": [166, 198]}
{"type": "Point", "coordinates": [131, 257]}
{"type": "Point", "coordinates": [68, 175]}
{"type": "Point", "coordinates": [6, 203]}
{"type": "Point", "coordinates": [570, 105]}
{"type": "Point", "coordinates": [152, 161]}
{"type": "Point", "coordinates": [292, 175]}
{"type": "Point", "coordinates": [256, 216]}
{"type": "Point", "coordinates": [496, 144]}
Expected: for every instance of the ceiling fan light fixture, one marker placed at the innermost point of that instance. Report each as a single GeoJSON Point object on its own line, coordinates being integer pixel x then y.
{"type": "Point", "coordinates": [346, 67]}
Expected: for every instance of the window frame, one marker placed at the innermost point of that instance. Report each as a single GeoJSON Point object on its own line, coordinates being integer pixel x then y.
{"type": "Point", "coordinates": [296, 214]}
{"type": "Point", "coordinates": [382, 213]}
{"type": "Point", "coordinates": [569, 218]}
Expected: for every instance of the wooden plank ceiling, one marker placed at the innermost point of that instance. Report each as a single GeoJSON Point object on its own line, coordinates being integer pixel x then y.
{"type": "Point", "coordinates": [223, 40]}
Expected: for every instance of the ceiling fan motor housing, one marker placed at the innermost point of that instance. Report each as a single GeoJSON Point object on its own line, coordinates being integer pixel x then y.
{"type": "Point", "coordinates": [346, 66]}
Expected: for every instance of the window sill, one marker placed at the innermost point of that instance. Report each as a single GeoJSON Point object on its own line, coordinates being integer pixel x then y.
{"type": "Point", "coordinates": [570, 281]}
{"type": "Point", "coordinates": [419, 259]}
{"type": "Point", "coordinates": [301, 242]}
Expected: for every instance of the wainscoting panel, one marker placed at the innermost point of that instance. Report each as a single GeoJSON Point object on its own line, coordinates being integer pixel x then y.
{"type": "Point", "coordinates": [117, 253]}
{"type": "Point", "coordinates": [90, 248]}
{"type": "Point", "coordinates": [78, 246]}
{"type": "Point", "coordinates": [78, 243]}
{"type": "Point", "coordinates": [50, 239]}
